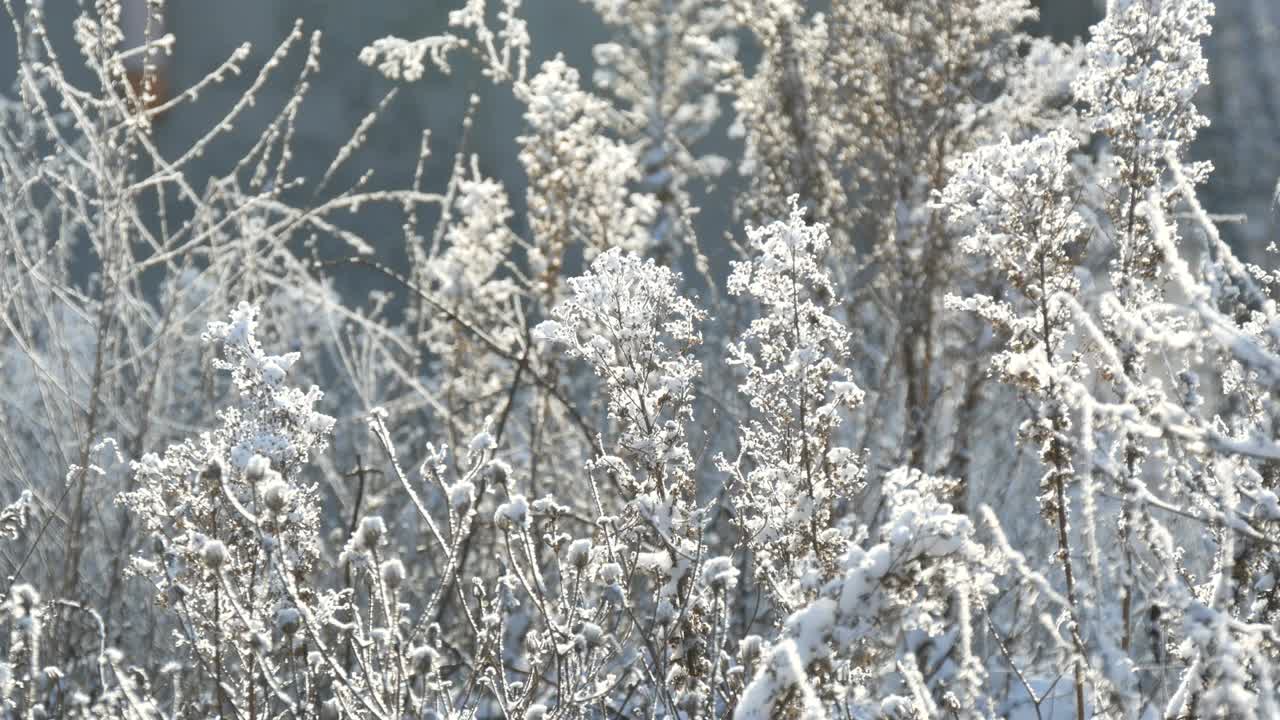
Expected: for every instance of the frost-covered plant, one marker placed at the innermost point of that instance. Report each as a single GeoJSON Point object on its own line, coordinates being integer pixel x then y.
{"type": "Point", "coordinates": [264, 620]}
{"type": "Point", "coordinates": [666, 65]}
{"type": "Point", "coordinates": [860, 110]}
{"type": "Point", "coordinates": [1111, 431]}
{"type": "Point", "coordinates": [234, 523]}
{"type": "Point", "coordinates": [788, 149]}
{"type": "Point", "coordinates": [472, 292]}
{"type": "Point", "coordinates": [1143, 67]}
{"type": "Point", "coordinates": [839, 652]}
{"type": "Point", "coordinates": [627, 497]}
{"type": "Point", "coordinates": [80, 171]}
{"type": "Point", "coordinates": [580, 179]}
{"type": "Point", "coordinates": [792, 359]}
{"type": "Point", "coordinates": [504, 53]}
{"type": "Point", "coordinates": [114, 257]}
{"type": "Point", "coordinates": [275, 421]}
{"type": "Point", "coordinates": [1019, 204]}
{"type": "Point", "coordinates": [626, 319]}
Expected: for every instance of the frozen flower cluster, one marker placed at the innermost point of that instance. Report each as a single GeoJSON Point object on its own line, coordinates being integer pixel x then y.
{"type": "Point", "coordinates": [581, 181]}
{"type": "Point", "coordinates": [274, 420]}
{"type": "Point", "coordinates": [1018, 202]}
{"type": "Point", "coordinates": [478, 244]}
{"type": "Point", "coordinates": [1143, 68]}
{"type": "Point", "coordinates": [925, 563]}
{"type": "Point", "coordinates": [503, 53]}
{"type": "Point", "coordinates": [791, 358]}
{"type": "Point", "coordinates": [626, 319]}
{"type": "Point", "coordinates": [665, 65]}
{"type": "Point", "coordinates": [397, 58]}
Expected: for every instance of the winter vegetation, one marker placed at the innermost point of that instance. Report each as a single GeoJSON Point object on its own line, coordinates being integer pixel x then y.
{"type": "Point", "coordinates": [983, 421]}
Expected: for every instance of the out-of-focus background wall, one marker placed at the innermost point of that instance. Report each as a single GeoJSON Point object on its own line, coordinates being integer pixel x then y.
{"type": "Point", "coordinates": [1243, 101]}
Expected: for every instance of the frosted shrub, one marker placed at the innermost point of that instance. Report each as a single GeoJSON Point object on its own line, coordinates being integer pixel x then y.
{"type": "Point", "coordinates": [860, 111]}
{"type": "Point", "coordinates": [472, 293]}
{"type": "Point", "coordinates": [626, 321]}
{"type": "Point", "coordinates": [1019, 201]}
{"type": "Point", "coordinates": [114, 260]}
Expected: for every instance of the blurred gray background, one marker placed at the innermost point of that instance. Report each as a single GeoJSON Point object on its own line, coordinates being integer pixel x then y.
{"type": "Point", "coordinates": [1243, 101]}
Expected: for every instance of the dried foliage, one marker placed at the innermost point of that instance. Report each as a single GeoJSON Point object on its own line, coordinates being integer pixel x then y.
{"type": "Point", "coordinates": [981, 422]}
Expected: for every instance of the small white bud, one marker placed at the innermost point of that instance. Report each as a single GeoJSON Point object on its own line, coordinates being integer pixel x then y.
{"type": "Point", "coordinates": [275, 494]}
{"type": "Point", "coordinates": [610, 573]}
{"type": "Point", "coordinates": [393, 573]}
{"type": "Point", "coordinates": [256, 468]}
{"type": "Point", "coordinates": [580, 553]}
{"type": "Point", "coordinates": [514, 512]}
{"type": "Point", "coordinates": [272, 374]}
{"type": "Point", "coordinates": [372, 529]}
{"type": "Point", "coordinates": [287, 620]}
{"type": "Point", "coordinates": [215, 554]}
